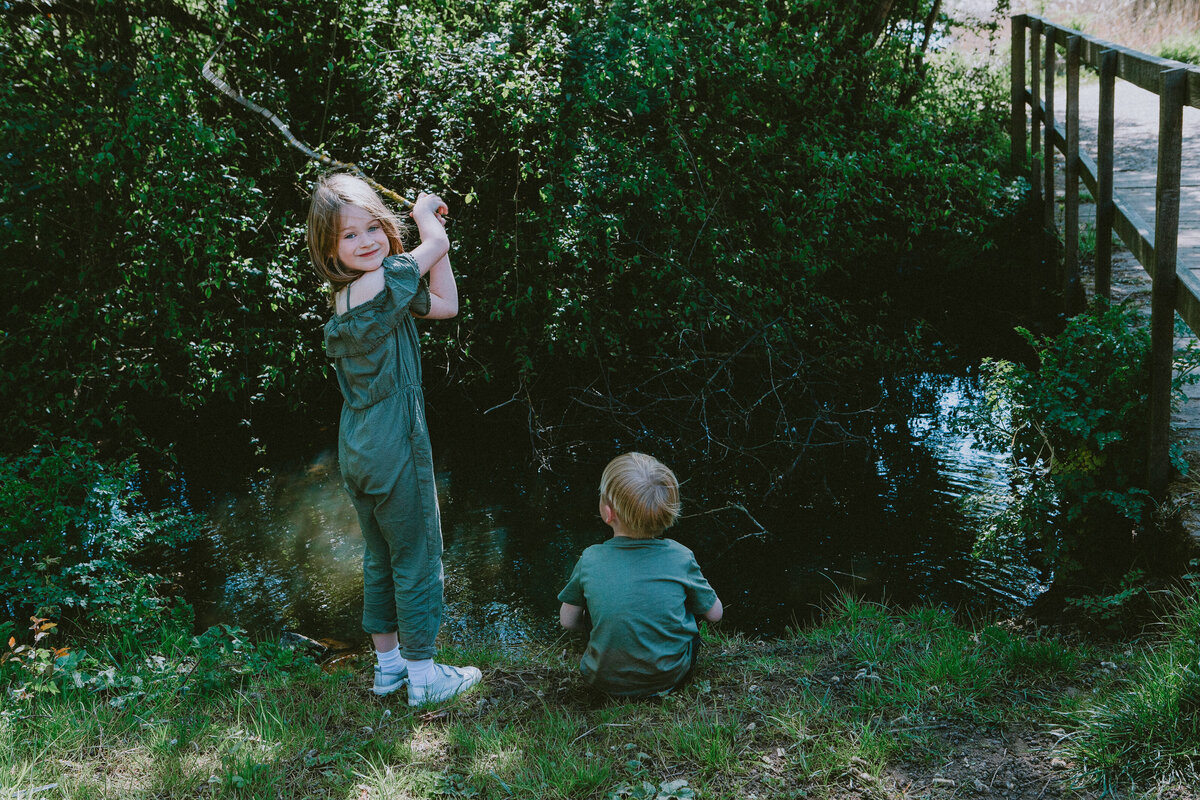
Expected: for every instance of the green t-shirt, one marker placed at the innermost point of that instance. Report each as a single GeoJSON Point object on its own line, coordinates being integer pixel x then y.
{"type": "Point", "coordinates": [643, 596]}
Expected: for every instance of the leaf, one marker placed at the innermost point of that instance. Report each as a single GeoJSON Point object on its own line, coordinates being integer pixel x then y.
{"type": "Point", "coordinates": [675, 790]}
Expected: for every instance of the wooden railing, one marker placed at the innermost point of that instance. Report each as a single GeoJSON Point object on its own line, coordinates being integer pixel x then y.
{"type": "Point", "coordinates": [1176, 85]}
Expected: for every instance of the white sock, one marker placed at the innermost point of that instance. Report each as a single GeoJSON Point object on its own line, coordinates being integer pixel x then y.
{"type": "Point", "coordinates": [390, 662]}
{"type": "Point", "coordinates": [419, 672]}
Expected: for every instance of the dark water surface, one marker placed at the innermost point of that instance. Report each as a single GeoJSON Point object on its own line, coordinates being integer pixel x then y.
{"type": "Point", "coordinates": [285, 553]}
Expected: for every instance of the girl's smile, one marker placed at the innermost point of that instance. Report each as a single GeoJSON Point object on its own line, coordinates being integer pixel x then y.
{"type": "Point", "coordinates": [362, 243]}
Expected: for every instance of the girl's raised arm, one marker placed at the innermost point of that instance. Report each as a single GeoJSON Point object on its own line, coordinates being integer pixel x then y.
{"type": "Point", "coordinates": [443, 291]}
{"type": "Point", "coordinates": [427, 213]}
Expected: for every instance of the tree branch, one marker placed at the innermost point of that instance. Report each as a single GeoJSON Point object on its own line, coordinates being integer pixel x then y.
{"type": "Point", "coordinates": [227, 90]}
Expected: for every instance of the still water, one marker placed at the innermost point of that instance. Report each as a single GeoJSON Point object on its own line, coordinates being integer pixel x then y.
{"type": "Point", "coordinates": [284, 553]}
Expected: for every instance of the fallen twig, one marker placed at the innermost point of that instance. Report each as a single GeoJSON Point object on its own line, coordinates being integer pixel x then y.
{"type": "Point", "coordinates": [598, 727]}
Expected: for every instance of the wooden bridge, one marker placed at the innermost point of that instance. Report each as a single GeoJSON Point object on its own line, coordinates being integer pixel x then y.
{"type": "Point", "coordinates": [1147, 222]}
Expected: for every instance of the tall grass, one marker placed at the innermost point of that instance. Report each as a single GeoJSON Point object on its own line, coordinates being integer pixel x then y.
{"type": "Point", "coordinates": [1148, 730]}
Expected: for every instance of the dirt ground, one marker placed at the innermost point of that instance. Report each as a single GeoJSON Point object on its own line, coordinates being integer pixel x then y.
{"type": "Point", "coordinates": [1017, 765]}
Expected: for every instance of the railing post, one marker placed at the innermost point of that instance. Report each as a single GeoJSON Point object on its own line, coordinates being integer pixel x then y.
{"type": "Point", "coordinates": [1104, 166]}
{"type": "Point", "coordinates": [1017, 125]}
{"type": "Point", "coordinates": [1172, 87]}
{"type": "Point", "coordinates": [1072, 289]}
{"type": "Point", "coordinates": [1036, 115]}
{"type": "Point", "coordinates": [1048, 160]}
{"type": "Point", "coordinates": [1049, 257]}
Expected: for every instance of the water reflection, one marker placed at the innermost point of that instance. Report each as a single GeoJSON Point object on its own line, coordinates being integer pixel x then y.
{"type": "Point", "coordinates": [286, 554]}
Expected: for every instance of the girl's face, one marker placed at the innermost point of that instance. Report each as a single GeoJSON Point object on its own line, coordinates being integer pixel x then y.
{"type": "Point", "coordinates": [362, 243]}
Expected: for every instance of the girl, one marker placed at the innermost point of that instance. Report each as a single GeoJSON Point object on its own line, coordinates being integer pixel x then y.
{"type": "Point", "coordinates": [383, 443]}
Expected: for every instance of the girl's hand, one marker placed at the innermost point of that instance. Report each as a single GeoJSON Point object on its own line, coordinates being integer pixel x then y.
{"type": "Point", "coordinates": [429, 204]}
{"type": "Point", "coordinates": [428, 212]}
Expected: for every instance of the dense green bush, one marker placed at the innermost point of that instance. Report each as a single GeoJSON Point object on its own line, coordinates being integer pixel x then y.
{"type": "Point", "coordinates": [638, 176]}
{"type": "Point", "coordinates": [636, 192]}
{"type": "Point", "coordinates": [71, 529]}
{"type": "Point", "coordinates": [137, 243]}
{"type": "Point", "coordinates": [1077, 424]}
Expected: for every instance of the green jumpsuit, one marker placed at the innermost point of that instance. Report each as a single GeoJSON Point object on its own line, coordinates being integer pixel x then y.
{"type": "Point", "coordinates": [386, 460]}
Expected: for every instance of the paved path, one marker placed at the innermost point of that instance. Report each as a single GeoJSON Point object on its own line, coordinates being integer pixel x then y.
{"type": "Point", "coordinates": [1135, 156]}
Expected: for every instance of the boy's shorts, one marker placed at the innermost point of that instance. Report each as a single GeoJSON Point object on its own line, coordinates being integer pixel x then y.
{"type": "Point", "coordinates": [682, 682]}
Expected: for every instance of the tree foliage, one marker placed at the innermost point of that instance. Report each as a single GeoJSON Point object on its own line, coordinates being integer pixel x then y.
{"type": "Point", "coordinates": [636, 192]}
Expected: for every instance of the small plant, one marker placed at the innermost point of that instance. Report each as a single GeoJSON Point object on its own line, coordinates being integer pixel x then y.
{"type": "Point", "coordinates": [1087, 244]}
{"type": "Point", "coordinates": [1113, 611]}
{"type": "Point", "coordinates": [1182, 48]}
{"type": "Point", "coordinates": [35, 663]}
{"type": "Point", "coordinates": [455, 785]}
{"type": "Point", "coordinates": [667, 790]}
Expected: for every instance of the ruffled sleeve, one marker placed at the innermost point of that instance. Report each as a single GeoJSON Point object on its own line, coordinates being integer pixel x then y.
{"type": "Point", "coordinates": [361, 329]}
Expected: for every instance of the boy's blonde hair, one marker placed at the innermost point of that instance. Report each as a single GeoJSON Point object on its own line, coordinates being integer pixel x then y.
{"type": "Point", "coordinates": [643, 492]}
{"type": "Point", "coordinates": [331, 194]}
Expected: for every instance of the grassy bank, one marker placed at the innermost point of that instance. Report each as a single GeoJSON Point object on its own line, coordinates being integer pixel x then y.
{"type": "Point", "coordinates": [873, 702]}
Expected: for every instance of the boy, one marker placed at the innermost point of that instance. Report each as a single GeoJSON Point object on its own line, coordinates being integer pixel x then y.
{"type": "Point", "coordinates": [643, 593]}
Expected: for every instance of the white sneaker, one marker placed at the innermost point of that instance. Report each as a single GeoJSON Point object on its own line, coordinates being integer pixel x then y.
{"type": "Point", "coordinates": [444, 683]}
{"type": "Point", "coordinates": [388, 682]}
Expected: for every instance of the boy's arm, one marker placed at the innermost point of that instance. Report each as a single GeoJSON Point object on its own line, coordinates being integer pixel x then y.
{"type": "Point", "coordinates": [715, 613]}
{"type": "Point", "coordinates": [571, 617]}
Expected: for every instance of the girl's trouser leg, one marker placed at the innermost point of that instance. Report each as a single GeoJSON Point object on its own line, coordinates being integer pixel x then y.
{"type": "Point", "coordinates": [402, 562]}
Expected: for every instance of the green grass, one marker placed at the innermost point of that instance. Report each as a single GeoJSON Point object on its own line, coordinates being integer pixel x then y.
{"type": "Point", "coordinates": [1147, 729]}
{"type": "Point", "coordinates": [868, 694]}
{"type": "Point", "coordinates": [1184, 48]}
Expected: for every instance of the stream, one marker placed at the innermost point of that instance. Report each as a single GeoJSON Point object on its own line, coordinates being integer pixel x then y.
{"type": "Point", "coordinates": [284, 551]}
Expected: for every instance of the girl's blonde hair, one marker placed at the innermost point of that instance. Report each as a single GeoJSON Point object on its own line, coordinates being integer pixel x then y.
{"type": "Point", "coordinates": [643, 491]}
{"type": "Point", "coordinates": [331, 194]}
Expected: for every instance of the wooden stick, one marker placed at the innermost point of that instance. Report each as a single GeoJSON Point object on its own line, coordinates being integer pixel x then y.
{"type": "Point", "coordinates": [227, 90]}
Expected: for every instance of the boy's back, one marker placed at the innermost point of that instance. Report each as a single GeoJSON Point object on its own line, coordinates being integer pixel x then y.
{"type": "Point", "coordinates": [643, 596]}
